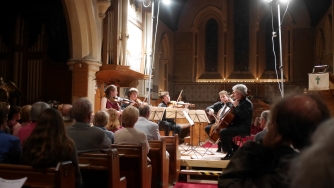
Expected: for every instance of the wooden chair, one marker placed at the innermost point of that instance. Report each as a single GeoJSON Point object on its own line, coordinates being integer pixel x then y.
{"type": "Point", "coordinates": [92, 163]}
{"type": "Point", "coordinates": [61, 176]}
{"type": "Point", "coordinates": [172, 146]}
{"type": "Point", "coordinates": [159, 162]}
{"type": "Point", "coordinates": [134, 165]}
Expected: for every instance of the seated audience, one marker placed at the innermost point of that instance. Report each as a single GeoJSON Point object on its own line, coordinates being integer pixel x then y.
{"type": "Point", "coordinates": [25, 119]}
{"type": "Point", "coordinates": [315, 165]}
{"type": "Point", "coordinates": [150, 128]}
{"type": "Point", "coordinates": [13, 117]}
{"type": "Point", "coordinates": [66, 111]}
{"type": "Point", "coordinates": [129, 135]}
{"type": "Point", "coordinates": [49, 144]}
{"type": "Point", "coordinates": [85, 137]}
{"type": "Point", "coordinates": [114, 124]}
{"type": "Point", "coordinates": [263, 125]}
{"type": "Point", "coordinates": [291, 124]}
{"type": "Point", "coordinates": [10, 147]}
{"type": "Point", "coordinates": [101, 120]}
{"type": "Point", "coordinates": [35, 112]}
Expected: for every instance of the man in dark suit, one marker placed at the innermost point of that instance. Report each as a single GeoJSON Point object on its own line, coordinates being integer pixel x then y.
{"type": "Point", "coordinates": [85, 137]}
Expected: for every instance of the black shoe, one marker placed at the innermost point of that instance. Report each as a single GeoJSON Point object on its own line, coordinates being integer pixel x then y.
{"type": "Point", "coordinates": [219, 150]}
{"type": "Point", "coordinates": [228, 156]}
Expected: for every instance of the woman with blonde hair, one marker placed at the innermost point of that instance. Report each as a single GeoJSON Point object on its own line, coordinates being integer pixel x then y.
{"type": "Point", "coordinates": [114, 123]}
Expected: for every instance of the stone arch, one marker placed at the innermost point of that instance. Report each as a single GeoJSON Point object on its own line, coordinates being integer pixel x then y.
{"type": "Point", "coordinates": [164, 62]}
{"type": "Point", "coordinates": [84, 30]}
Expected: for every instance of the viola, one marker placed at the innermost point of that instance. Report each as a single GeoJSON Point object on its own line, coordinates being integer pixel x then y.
{"type": "Point", "coordinates": [179, 104]}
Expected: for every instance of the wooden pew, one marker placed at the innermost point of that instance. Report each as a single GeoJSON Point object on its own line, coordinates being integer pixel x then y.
{"type": "Point", "coordinates": [134, 165]}
{"type": "Point", "coordinates": [61, 176]}
{"type": "Point", "coordinates": [159, 162]}
{"type": "Point", "coordinates": [172, 146]}
{"type": "Point", "coordinates": [92, 163]}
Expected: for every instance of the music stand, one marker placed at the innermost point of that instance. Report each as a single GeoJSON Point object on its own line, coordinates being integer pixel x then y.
{"type": "Point", "coordinates": [156, 113]}
{"type": "Point", "coordinates": [199, 116]}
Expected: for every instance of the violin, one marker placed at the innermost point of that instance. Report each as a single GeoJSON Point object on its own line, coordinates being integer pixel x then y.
{"type": "Point", "coordinates": [179, 104]}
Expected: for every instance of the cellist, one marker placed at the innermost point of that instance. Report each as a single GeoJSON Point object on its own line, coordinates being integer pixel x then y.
{"type": "Point", "coordinates": [213, 109]}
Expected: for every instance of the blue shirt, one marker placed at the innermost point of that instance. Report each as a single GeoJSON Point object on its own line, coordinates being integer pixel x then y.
{"type": "Point", "coordinates": [10, 148]}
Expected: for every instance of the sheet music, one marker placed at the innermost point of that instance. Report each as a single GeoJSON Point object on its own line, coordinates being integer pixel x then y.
{"type": "Point", "coordinates": [185, 113]}
{"type": "Point", "coordinates": [157, 113]}
{"type": "Point", "coordinates": [198, 116]}
{"type": "Point", "coordinates": [12, 183]}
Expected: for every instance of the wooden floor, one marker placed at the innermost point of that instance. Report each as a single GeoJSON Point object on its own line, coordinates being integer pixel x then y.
{"type": "Point", "coordinates": [201, 164]}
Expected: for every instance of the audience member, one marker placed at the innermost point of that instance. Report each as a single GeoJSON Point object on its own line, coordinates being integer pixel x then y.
{"type": "Point", "coordinates": [113, 124]}
{"type": "Point", "coordinates": [263, 125]}
{"type": "Point", "coordinates": [291, 123]}
{"type": "Point", "coordinates": [101, 120]}
{"type": "Point", "coordinates": [25, 119]}
{"type": "Point", "coordinates": [35, 112]}
{"type": "Point", "coordinates": [13, 117]}
{"type": "Point", "coordinates": [150, 128]}
{"type": "Point", "coordinates": [66, 112]}
{"type": "Point", "coordinates": [129, 135]}
{"type": "Point", "coordinates": [315, 166]}
{"type": "Point", "coordinates": [49, 144]}
{"type": "Point", "coordinates": [85, 137]}
{"type": "Point", "coordinates": [10, 147]}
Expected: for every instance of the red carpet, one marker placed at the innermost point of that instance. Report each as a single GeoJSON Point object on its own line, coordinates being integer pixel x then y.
{"type": "Point", "coordinates": [209, 145]}
{"type": "Point", "coordinates": [194, 185]}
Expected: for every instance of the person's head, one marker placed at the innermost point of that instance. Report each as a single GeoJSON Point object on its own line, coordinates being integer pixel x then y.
{"type": "Point", "coordinates": [264, 119]}
{"type": "Point", "coordinates": [37, 109]}
{"type": "Point", "coordinates": [110, 91]}
{"type": "Point", "coordinates": [4, 108]}
{"type": "Point", "coordinates": [132, 93]}
{"type": "Point", "coordinates": [82, 110]}
{"type": "Point", "coordinates": [314, 167]}
{"type": "Point", "coordinates": [24, 113]}
{"type": "Point", "coordinates": [66, 111]}
{"type": "Point", "coordinates": [48, 143]}
{"type": "Point", "coordinates": [239, 91]}
{"type": "Point", "coordinates": [14, 113]}
{"type": "Point", "coordinates": [223, 95]}
{"type": "Point", "coordinates": [101, 119]}
{"type": "Point", "coordinates": [293, 119]}
{"type": "Point", "coordinates": [113, 119]}
{"type": "Point", "coordinates": [130, 116]}
{"type": "Point", "coordinates": [164, 96]}
{"type": "Point", "coordinates": [144, 111]}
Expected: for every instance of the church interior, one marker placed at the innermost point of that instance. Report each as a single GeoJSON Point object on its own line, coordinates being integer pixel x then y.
{"type": "Point", "coordinates": [63, 50]}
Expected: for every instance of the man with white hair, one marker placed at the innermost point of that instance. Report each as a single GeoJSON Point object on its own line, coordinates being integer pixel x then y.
{"type": "Point", "coordinates": [241, 123]}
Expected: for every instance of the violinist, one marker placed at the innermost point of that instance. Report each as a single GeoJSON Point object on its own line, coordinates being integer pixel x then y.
{"type": "Point", "coordinates": [241, 123]}
{"type": "Point", "coordinates": [213, 109]}
{"type": "Point", "coordinates": [167, 124]}
{"type": "Point", "coordinates": [133, 100]}
{"type": "Point", "coordinates": [109, 101]}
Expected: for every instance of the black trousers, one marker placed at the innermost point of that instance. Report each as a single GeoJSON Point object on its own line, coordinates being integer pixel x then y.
{"type": "Point", "coordinates": [170, 126]}
{"type": "Point", "coordinates": [227, 134]}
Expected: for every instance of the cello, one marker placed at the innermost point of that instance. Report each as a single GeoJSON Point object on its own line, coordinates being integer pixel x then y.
{"type": "Point", "coordinates": [223, 119]}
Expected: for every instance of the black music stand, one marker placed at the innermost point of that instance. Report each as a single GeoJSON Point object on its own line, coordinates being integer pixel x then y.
{"type": "Point", "coordinates": [199, 116]}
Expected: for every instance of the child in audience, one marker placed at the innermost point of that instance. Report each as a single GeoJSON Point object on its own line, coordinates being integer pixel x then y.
{"type": "Point", "coordinates": [113, 124]}
{"type": "Point", "coordinates": [49, 144]}
{"type": "Point", "coordinates": [101, 120]}
{"type": "Point", "coordinates": [25, 119]}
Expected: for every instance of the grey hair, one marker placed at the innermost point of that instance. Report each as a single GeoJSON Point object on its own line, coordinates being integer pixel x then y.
{"type": "Point", "coordinates": [265, 115]}
{"type": "Point", "coordinates": [82, 108]}
{"type": "Point", "coordinates": [37, 109]}
{"type": "Point", "coordinates": [241, 88]}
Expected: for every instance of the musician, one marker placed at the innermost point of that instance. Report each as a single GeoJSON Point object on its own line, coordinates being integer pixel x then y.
{"type": "Point", "coordinates": [168, 124]}
{"type": "Point", "coordinates": [109, 100]}
{"type": "Point", "coordinates": [132, 96]}
{"type": "Point", "coordinates": [213, 109]}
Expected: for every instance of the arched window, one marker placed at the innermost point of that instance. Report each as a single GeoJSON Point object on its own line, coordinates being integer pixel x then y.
{"type": "Point", "coordinates": [211, 46]}
{"type": "Point", "coordinates": [270, 56]}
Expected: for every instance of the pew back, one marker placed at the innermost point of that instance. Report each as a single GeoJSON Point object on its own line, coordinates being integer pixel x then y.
{"type": "Point", "coordinates": [92, 162]}
{"type": "Point", "coordinates": [134, 165]}
{"type": "Point", "coordinates": [172, 146]}
{"type": "Point", "coordinates": [61, 176]}
{"type": "Point", "coordinates": [159, 162]}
